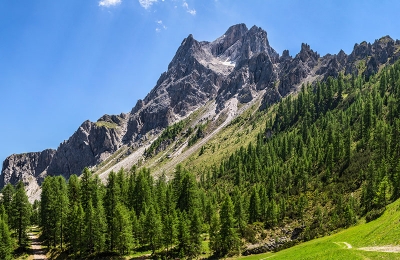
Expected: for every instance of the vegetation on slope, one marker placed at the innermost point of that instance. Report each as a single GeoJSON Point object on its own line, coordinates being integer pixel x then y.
{"type": "Point", "coordinates": [378, 236]}
{"type": "Point", "coordinates": [318, 161]}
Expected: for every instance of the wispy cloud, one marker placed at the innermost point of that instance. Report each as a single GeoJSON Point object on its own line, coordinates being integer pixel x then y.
{"type": "Point", "coordinates": [190, 11]}
{"type": "Point", "coordinates": [160, 26]}
{"type": "Point", "coordinates": [108, 3]}
{"type": "Point", "coordinates": [147, 3]}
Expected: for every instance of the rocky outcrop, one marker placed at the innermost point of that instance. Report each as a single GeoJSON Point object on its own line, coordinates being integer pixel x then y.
{"type": "Point", "coordinates": [91, 144]}
{"type": "Point", "coordinates": [30, 168]}
{"type": "Point", "coordinates": [238, 66]}
{"type": "Point", "coordinates": [20, 167]}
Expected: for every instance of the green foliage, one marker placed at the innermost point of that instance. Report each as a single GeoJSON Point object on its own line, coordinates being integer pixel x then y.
{"type": "Point", "coordinates": [326, 158]}
{"type": "Point", "coordinates": [6, 242]}
{"type": "Point", "coordinates": [229, 237]}
{"type": "Point", "coordinates": [198, 135]}
{"type": "Point", "coordinates": [22, 212]}
{"type": "Point", "coordinates": [168, 135]}
{"type": "Point", "coordinates": [106, 124]}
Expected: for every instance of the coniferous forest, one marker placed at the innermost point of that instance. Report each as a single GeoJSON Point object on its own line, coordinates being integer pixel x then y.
{"type": "Point", "coordinates": [327, 157]}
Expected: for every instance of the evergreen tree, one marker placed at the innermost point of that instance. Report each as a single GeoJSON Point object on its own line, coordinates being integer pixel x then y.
{"type": "Point", "coordinates": [22, 211]}
{"type": "Point", "coordinates": [254, 207]}
{"type": "Point", "coordinates": [124, 237]}
{"type": "Point", "coordinates": [153, 229]}
{"type": "Point", "coordinates": [215, 238]}
{"type": "Point", "coordinates": [195, 234]}
{"type": "Point", "coordinates": [7, 197]}
{"type": "Point", "coordinates": [183, 235]}
{"type": "Point", "coordinates": [61, 207]}
{"type": "Point", "coordinates": [229, 237]}
{"type": "Point", "coordinates": [170, 220]}
{"type": "Point", "coordinates": [74, 190]}
{"type": "Point", "coordinates": [111, 201]}
{"type": "Point", "coordinates": [6, 242]}
{"type": "Point", "coordinates": [76, 229]}
{"type": "Point", "coordinates": [99, 227]}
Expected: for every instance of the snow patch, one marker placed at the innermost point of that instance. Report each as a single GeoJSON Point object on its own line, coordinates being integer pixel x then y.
{"type": "Point", "coordinates": [227, 62]}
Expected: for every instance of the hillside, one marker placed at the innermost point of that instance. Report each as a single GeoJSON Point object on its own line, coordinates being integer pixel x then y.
{"type": "Point", "coordinates": [206, 82]}
{"type": "Point", "coordinates": [236, 151]}
{"type": "Point", "coordinates": [378, 239]}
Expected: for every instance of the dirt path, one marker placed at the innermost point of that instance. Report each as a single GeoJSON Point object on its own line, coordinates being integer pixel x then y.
{"type": "Point", "coordinates": [347, 245]}
{"type": "Point", "coordinates": [386, 249]}
{"type": "Point", "coordinates": [36, 247]}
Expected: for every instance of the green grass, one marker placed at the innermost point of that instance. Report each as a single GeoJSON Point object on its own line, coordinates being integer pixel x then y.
{"type": "Point", "coordinates": [381, 232]}
{"type": "Point", "coordinates": [106, 124]}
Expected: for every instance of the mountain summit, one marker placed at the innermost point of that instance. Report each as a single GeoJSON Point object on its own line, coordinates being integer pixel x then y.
{"type": "Point", "coordinates": [213, 81]}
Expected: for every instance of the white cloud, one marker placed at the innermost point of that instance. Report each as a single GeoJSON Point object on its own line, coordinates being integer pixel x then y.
{"type": "Point", "coordinates": [190, 11]}
{"type": "Point", "coordinates": [108, 3]}
{"type": "Point", "coordinates": [147, 3]}
{"type": "Point", "coordinates": [160, 26]}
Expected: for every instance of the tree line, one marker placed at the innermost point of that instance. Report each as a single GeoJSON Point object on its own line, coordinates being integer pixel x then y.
{"type": "Point", "coordinates": [325, 158]}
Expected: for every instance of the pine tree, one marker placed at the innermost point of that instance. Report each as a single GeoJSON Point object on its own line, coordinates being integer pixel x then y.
{"type": "Point", "coordinates": [111, 201]}
{"type": "Point", "coordinates": [183, 235]}
{"type": "Point", "coordinates": [254, 207]}
{"type": "Point", "coordinates": [61, 207]}
{"type": "Point", "coordinates": [170, 220]}
{"type": "Point", "coordinates": [124, 237]}
{"type": "Point", "coordinates": [8, 194]}
{"type": "Point", "coordinates": [154, 229]}
{"type": "Point", "coordinates": [74, 190]}
{"type": "Point", "coordinates": [6, 242]}
{"type": "Point", "coordinates": [89, 227]}
{"type": "Point", "coordinates": [22, 211]}
{"type": "Point", "coordinates": [47, 213]}
{"type": "Point", "coordinates": [240, 215]}
{"type": "Point", "coordinates": [99, 227]}
{"type": "Point", "coordinates": [215, 238]}
{"type": "Point", "coordinates": [195, 234]}
{"type": "Point", "coordinates": [76, 229]}
{"type": "Point", "coordinates": [229, 236]}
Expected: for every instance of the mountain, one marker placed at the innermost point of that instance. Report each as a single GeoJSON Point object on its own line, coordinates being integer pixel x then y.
{"type": "Point", "coordinates": [205, 82]}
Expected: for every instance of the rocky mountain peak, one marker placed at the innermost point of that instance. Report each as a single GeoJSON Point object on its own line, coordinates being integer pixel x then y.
{"type": "Point", "coordinates": [231, 36]}
{"type": "Point", "coordinates": [256, 41]}
{"type": "Point", "coordinates": [306, 54]}
{"type": "Point", "coordinates": [237, 68]}
{"type": "Point", "coordinates": [189, 48]}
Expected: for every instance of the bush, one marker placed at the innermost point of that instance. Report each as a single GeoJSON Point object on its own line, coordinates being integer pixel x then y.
{"type": "Point", "coordinates": [374, 214]}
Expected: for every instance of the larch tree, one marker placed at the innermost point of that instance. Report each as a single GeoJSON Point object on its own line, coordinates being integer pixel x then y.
{"type": "Point", "coordinates": [22, 211]}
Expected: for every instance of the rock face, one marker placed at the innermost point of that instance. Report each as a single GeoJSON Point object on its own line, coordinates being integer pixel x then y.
{"type": "Point", "coordinates": [27, 167]}
{"type": "Point", "coordinates": [239, 65]}
{"type": "Point", "coordinates": [22, 166]}
{"type": "Point", "coordinates": [91, 144]}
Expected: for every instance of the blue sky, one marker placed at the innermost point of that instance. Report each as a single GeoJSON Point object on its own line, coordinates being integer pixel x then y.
{"type": "Point", "coordinates": [63, 62]}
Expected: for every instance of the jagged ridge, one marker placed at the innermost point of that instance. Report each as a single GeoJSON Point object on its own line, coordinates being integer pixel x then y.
{"type": "Point", "coordinates": [236, 67]}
